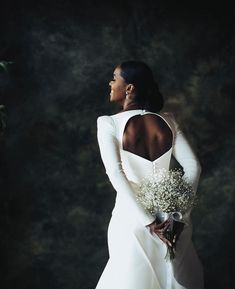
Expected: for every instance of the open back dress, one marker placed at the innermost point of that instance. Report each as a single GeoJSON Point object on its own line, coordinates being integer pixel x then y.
{"type": "Point", "coordinates": [137, 257]}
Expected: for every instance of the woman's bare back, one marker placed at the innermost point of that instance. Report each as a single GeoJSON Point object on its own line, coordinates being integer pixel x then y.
{"type": "Point", "coordinates": [147, 135]}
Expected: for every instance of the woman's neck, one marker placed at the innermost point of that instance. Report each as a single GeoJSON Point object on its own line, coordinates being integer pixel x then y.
{"type": "Point", "coordinates": [131, 106]}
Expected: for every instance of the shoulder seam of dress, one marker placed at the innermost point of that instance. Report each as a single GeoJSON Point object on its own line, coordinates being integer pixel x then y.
{"type": "Point", "coordinates": [109, 120]}
{"type": "Point", "coordinates": [104, 118]}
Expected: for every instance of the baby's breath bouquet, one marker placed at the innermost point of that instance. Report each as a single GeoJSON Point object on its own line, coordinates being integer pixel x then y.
{"type": "Point", "coordinates": [166, 194]}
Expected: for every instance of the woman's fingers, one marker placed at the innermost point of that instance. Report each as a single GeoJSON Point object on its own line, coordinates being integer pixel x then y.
{"type": "Point", "coordinates": [159, 230]}
{"type": "Point", "coordinates": [166, 241]}
{"type": "Point", "coordinates": [163, 224]}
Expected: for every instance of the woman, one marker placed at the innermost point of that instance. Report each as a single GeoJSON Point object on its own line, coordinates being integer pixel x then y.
{"type": "Point", "coordinates": [133, 143]}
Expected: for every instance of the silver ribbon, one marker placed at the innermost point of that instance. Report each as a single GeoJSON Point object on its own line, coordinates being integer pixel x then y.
{"type": "Point", "coordinates": [176, 216]}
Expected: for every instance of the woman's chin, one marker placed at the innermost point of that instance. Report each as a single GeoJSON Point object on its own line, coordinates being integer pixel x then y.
{"type": "Point", "coordinates": [113, 99]}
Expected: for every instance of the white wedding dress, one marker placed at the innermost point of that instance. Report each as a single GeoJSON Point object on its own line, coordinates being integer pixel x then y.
{"type": "Point", "coordinates": [137, 257]}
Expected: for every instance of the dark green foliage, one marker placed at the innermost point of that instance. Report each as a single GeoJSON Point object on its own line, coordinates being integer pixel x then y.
{"type": "Point", "coordinates": [56, 198]}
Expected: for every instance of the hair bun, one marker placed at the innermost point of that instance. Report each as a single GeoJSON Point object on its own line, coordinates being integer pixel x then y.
{"type": "Point", "coordinates": [147, 91]}
{"type": "Point", "coordinates": [154, 99]}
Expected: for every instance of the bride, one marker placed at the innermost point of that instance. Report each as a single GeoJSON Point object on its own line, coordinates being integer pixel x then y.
{"type": "Point", "coordinates": [133, 143]}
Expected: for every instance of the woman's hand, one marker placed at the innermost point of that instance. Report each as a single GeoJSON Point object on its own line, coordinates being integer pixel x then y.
{"type": "Point", "coordinates": [159, 229]}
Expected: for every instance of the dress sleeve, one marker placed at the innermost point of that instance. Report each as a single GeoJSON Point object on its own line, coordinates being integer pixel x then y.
{"type": "Point", "coordinates": [184, 154]}
{"type": "Point", "coordinates": [110, 155]}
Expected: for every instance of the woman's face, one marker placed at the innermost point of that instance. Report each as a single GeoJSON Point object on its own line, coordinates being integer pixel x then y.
{"type": "Point", "coordinates": [118, 86]}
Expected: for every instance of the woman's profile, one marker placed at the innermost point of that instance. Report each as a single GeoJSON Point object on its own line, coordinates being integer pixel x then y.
{"type": "Point", "coordinates": [133, 143]}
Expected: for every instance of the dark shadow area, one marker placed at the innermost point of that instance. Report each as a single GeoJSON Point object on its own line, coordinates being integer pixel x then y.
{"type": "Point", "coordinates": [56, 200]}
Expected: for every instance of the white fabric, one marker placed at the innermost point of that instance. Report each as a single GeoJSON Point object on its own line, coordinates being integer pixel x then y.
{"type": "Point", "coordinates": [136, 257]}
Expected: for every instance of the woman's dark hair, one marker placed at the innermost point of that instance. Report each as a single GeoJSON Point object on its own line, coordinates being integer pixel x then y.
{"type": "Point", "coordinates": [141, 76]}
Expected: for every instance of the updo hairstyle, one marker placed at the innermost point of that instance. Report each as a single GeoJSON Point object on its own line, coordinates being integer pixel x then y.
{"type": "Point", "coordinates": [147, 91]}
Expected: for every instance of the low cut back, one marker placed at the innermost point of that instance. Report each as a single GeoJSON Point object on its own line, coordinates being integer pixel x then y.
{"type": "Point", "coordinates": [147, 135]}
{"type": "Point", "coordinates": [133, 163]}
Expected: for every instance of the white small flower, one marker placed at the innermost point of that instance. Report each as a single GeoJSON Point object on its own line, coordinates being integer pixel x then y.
{"type": "Point", "coordinates": [166, 191]}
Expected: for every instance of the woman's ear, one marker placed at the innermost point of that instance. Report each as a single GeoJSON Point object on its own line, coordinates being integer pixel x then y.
{"type": "Point", "coordinates": [130, 88]}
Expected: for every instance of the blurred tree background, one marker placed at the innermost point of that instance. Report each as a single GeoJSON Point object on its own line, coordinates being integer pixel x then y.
{"type": "Point", "coordinates": [56, 200]}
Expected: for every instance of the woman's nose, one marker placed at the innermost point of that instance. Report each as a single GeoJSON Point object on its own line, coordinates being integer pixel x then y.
{"type": "Point", "coordinates": [110, 83]}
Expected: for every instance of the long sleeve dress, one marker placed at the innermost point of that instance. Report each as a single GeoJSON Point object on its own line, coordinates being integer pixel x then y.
{"type": "Point", "coordinates": [137, 257]}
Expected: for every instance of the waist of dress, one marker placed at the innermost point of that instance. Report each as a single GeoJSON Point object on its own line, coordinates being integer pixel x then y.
{"type": "Point", "coordinates": [121, 206]}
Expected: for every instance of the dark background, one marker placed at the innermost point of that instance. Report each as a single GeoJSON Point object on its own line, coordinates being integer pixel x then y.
{"type": "Point", "coordinates": [56, 200]}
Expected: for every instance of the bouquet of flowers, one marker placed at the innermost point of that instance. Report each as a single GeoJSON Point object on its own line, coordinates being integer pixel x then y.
{"type": "Point", "coordinates": [167, 195]}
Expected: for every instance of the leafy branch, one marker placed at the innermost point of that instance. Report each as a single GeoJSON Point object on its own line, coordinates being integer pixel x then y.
{"type": "Point", "coordinates": [4, 65]}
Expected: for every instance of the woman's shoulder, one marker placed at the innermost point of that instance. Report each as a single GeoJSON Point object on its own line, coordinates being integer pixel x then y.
{"type": "Point", "coordinates": [171, 117]}
{"type": "Point", "coordinates": [105, 122]}
{"type": "Point", "coordinates": [169, 114]}
{"type": "Point", "coordinates": [103, 118]}
{"type": "Point", "coordinates": [114, 122]}
{"type": "Point", "coordinates": [114, 118]}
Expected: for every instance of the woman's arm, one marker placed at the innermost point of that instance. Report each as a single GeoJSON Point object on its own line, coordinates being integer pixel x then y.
{"type": "Point", "coordinates": [184, 154]}
{"type": "Point", "coordinates": [109, 150]}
